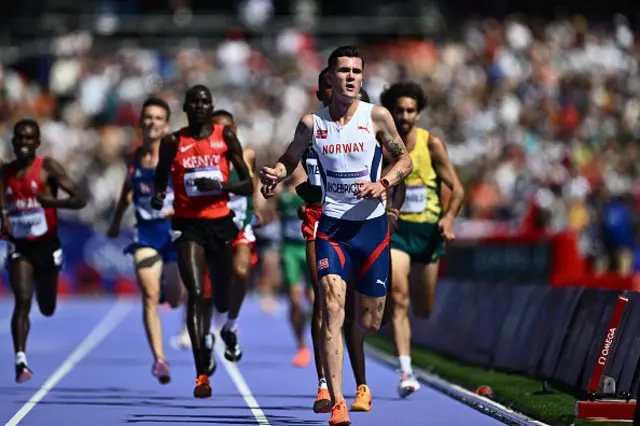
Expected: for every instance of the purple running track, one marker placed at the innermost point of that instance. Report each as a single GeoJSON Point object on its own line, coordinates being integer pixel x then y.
{"type": "Point", "coordinates": [92, 367]}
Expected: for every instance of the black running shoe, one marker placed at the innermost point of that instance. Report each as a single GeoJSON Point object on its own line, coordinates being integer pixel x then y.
{"type": "Point", "coordinates": [23, 373]}
{"type": "Point", "coordinates": [212, 360]}
{"type": "Point", "coordinates": [232, 351]}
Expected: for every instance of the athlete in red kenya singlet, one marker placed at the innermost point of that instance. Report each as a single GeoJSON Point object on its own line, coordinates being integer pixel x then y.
{"type": "Point", "coordinates": [29, 200]}
{"type": "Point", "coordinates": [197, 157]}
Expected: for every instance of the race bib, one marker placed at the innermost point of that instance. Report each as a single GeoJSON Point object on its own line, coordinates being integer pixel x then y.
{"type": "Point", "coordinates": [313, 172]}
{"type": "Point", "coordinates": [415, 199]}
{"type": "Point", "coordinates": [189, 181]}
{"type": "Point", "coordinates": [29, 223]}
{"type": "Point", "coordinates": [238, 205]}
{"type": "Point", "coordinates": [343, 186]}
{"type": "Point", "coordinates": [292, 229]}
{"type": "Point", "coordinates": [146, 212]}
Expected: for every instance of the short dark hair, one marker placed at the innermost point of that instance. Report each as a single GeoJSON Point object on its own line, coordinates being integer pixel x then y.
{"type": "Point", "coordinates": [27, 122]}
{"type": "Point", "coordinates": [197, 88]}
{"type": "Point", "coordinates": [159, 103]}
{"type": "Point", "coordinates": [407, 89]}
{"type": "Point", "coordinates": [344, 51]}
{"type": "Point", "coordinates": [364, 96]}
{"type": "Point", "coordinates": [220, 112]}
{"type": "Point", "coordinates": [322, 79]}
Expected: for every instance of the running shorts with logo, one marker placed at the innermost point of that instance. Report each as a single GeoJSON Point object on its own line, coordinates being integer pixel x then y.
{"type": "Point", "coordinates": [358, 246]}
{"type": "Point", "coordinates": [45, 254]}
{"type": "Point", "coordinates": [212, 234]}
{"type": "Point", "coordinates": [155, 234]}
{"type": "Point", "coordinates": [417, 232]}
{"type": "Point", "coordinates": [247, 237]}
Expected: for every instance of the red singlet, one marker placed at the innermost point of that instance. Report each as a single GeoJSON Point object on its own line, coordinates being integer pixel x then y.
{"type": "Point", "coordinates": [28, 219]}
{"type": "Point", "coordinates": [204, 158]}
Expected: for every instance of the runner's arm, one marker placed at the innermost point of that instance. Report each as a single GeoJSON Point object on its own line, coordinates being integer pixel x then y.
{"type": "Point", "coordinates": [121, 207]}
{"type": "Point", "coordinates": [54, 171]}
{"type": "Point", "coordinates": [399, 192]}
{"type": "Point", "coordinates": [397, 197]}
{"type": "Point", "coordinates": [167, 153]}
{"type": "Point", "coordinates": [447, 173]}
{"type": "Point", "coordinates": [244, 185]}
{"type": "Point", "coordinates": [387, 134]}
{"type": "Point", "coordinates": [7, 233]}
{"type": "Point", "coordinates": [301, 138]}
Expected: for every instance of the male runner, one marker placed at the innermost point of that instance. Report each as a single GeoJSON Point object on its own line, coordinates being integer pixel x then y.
{"type": "Point", "coordinates": [153, 250]}
{"type": "Point", "coordinates": [294, 263]}
{"type": "Point", "coordinates": [352, 234]}
{"type": "Point", "coordinates": [198, 158]}
{"type": "Point", "coordinates": [422, 225]}
{"type": "Point", "coordinates": [245, 257]}
{"type": "Point", "coordinates": [29, 202]}
{"type": "Point", "coordinates": [311, 192]}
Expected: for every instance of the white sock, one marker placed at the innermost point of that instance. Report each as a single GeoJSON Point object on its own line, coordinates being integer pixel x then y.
{"type": "Point", "coordinates": [405, 364]}
{"type": "Point", "coordinates": [229, 325]}
{"type": "Point", "coordinates": [21, 358]}
{"type": "Point", "coordinates": [322, 384]}
{"type": "Point", "coordinates": [208, 341]}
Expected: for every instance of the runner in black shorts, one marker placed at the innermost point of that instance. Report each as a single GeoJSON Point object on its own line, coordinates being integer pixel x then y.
{"type": "Point", "coordinates": [28, 200]}
{"type": "Point", "coordinates": [198, 158]}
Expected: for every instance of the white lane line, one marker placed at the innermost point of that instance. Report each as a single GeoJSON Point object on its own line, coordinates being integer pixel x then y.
{"type": "Point", "coordinates": [241, 384]}
{"type": "Point", "coordinates": [113, 318]}
{"type": "Point", "coordinates": [480, 403]}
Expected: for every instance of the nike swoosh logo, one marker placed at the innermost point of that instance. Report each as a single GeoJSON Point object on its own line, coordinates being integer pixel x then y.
{"type": "Point", "coordinates": [186, 148]}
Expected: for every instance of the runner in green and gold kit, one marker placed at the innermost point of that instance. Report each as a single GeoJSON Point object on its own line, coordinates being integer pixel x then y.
{"type": "Point", "coordinates": [245, 256]}
{"type": "Point", "coordinates": [422, 226]}
{"type": "Point", "coordinates": [294, 264]}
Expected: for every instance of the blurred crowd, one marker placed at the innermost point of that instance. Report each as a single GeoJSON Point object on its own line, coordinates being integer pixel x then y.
{"type": "Point", "coordinates": [534, 113]}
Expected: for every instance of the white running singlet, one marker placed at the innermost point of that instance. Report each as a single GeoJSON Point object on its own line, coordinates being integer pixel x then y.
{"type": "Point", "coordinates": [347, 154]}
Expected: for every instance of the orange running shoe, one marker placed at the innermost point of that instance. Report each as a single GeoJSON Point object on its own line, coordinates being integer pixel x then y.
{"type": "Point", "coordinates": [302, 358]}
{"type": "Point", "coordinates": [363, 399]}
{"type": "Point", "coordinates": [323, 401]}
{"type": "Point", "coordinates": [340, 415]}
{"type": "Point", "coordinates": [203, 387]}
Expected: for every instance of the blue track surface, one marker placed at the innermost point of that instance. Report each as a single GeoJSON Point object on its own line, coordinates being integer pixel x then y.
{"type": "Point", "coordinates": [107, 380]}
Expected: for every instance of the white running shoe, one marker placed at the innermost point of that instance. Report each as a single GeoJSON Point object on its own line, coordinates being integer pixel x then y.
{"type": "Point", "coordinates": [181, 341]}
{"type": "Point", "coordinates": [408, 384]}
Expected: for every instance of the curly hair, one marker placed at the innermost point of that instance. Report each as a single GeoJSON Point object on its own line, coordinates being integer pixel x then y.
{"type": "Point", "coordinates": [406, 89]}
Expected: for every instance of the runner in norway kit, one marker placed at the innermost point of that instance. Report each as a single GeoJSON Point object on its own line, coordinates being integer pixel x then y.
{"type": "Point", "coordinates": [153, 251]}
{"type": "Point", "coordinates": [352, 235]}
{"type": "Point", "coordinates": [198, 157]}
{"type": "Point", "coordinates": [311, 192]}
{"type": "Point", "coordinates": [29, 202]}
